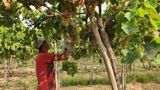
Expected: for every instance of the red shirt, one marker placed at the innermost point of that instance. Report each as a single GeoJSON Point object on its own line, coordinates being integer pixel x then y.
{"type": "Point", "coordinates": [45, 70]}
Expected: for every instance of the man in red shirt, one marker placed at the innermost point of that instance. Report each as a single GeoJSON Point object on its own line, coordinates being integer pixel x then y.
{"type": "Point", "coordinates": [45, 67]}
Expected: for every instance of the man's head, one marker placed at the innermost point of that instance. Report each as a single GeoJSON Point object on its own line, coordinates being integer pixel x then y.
{"type": "Point", "coordinates": [42, 45]}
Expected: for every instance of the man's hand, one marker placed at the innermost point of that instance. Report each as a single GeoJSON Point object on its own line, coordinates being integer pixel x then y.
{"type": "Point", "coordinates": [80, 1]}
{"type": "Point", "coordinates": [68, 46]}
{"type": "Point", "coordinates": [6, 4]}
{"type": "Point", "coordinates": [63, 56]}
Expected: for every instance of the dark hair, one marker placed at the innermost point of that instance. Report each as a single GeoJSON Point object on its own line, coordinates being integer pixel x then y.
{"type": "Point", "coordinates": [40, 48]}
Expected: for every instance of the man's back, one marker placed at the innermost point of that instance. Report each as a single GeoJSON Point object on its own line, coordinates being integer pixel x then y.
{"type": "Point", "coordinates": [45, 72]}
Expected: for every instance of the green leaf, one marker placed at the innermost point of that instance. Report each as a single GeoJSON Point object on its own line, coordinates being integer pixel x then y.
{"type": "Point", "coordinates": [150, 51]}
{"type": "Point", "coordinates": [4, 29]}
{"type": "Point", "coordinates": [20, 35]}
{"type": "Point", "coordinates": [131, 15]}
{"type": "Point", "coordinates": [124, 52]}
{"type": "Point", "coordinates": [129, 27]}
{"type": "Point", "coordinates": [132, 54]}
{"type": "Point", "coordinates": [114, 1]}
{"type": "Point", "coordinates": [141, 12]}
{"type": "Point", "coordinates": [157, 58]}
{"type": "Point", "coordinates": [120, 17]}
{"type": "Point", "coordinates": [153, 23]}
{"type": "Point", "coordinates": [156, 42]}
{"type": "Point", "coordinates": [129, 57]}
{"type": "Point", "coordinates": [147, 5]}
{"type": "Point", "coordinates": [139, 51]}
{"type": "Point", "coordinates": [152, 12]}
{"type": "Point", "coordinates": [151, 2]}
{"type": "Point", "coordinates": [69, 67]}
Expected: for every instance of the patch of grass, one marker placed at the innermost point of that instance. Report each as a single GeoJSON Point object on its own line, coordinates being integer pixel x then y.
{"type": "Point", "coordinates": [83, 80]}
{"type": "Point", "coordinates": [130, 78]}
{"type": "Point", "coordinates": [144, 77]}
{"type": "Point", "coordinates": [22, 84]}
{"type": "Point", "coordinates": [156, 77]}
{"type": "Point", "coordinates": [26, 85]}
{"type": "Point", "coordinates": [75, 80]}
{"type": "Point", "coordinates": [101, 81]}
{"type": "Point", "coordinates": [33, 84]}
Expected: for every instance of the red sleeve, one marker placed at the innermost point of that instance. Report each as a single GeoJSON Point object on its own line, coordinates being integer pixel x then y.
{"type": "Point", "coordinates": [49, 58]}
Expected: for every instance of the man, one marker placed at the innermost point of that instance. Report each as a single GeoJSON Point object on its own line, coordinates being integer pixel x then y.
{"type": "Point", "coordinates": [45, 67]}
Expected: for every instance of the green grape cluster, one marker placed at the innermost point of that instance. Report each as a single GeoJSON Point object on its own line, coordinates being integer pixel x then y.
{"type": "Point", "coordinates": [69, 67]}
{"type": "Point", "coordinates": [68, 10]}
{"type": "Point", "coordinates": [72, 34]}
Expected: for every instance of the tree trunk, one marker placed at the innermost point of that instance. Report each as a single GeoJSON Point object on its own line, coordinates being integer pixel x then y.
{"type": "Point", "coordinates": [10, 71]}
{"type": "Point", "coordinates": [143, 63]}
{"type": "Point", "coordinates": [134, 69]}
{"type": "Point", "coordinates": [110, 51]}
{"type": "Point", "coordinates": [103, 52]}
{"type": "Point", "coordinates": [149, 64]}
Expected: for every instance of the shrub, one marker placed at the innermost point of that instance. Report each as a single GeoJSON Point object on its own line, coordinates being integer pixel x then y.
{"type": "Point", "coordinates": [73, 81]}
{"type": "Point", "coordinates": [130, 78]}
{"type": "Point", "coordinates": [83, 80]}
{"type": "Point", "coordinates": [156, 77]}
{"type": "Point", "coordinates": [101, 81]}
{"type": "Point", "coordinates": [144, 78]}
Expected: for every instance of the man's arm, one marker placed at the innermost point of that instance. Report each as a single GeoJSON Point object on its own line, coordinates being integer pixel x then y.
{"type": "Point", "coordinates": [63, 56]}
{"type": "Point", "coordinates": [68, 50]}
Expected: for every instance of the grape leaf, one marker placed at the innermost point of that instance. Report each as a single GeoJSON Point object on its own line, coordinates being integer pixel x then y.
{"type": "Point", "coordinates": [157, 58]}
{"type": "Point", "coordinates": [129, 27]}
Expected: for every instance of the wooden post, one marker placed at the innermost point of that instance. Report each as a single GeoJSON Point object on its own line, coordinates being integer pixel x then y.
{"type": "Point", "coordinates": [123, 76]}
{"type": "Point", "coordinates": [56, 68]}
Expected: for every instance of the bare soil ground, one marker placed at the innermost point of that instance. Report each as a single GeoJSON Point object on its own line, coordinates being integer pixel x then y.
{"type": "Point", "coordinates": [25, 79]}
{"type": "Point", "coordinates": [131, 86]}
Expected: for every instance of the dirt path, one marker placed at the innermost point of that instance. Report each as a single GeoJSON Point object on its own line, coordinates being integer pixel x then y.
{"type": "Point", "coordinates": [131, 86]}
{"type": "Point", "coordinates": [94, 87]}
{"type": "Point", "coordinates": [25, 79]}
